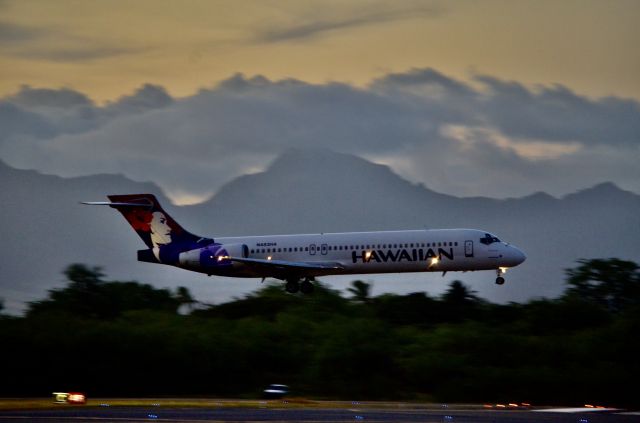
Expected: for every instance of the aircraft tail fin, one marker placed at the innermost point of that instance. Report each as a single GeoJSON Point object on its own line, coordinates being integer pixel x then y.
{"type": "Point", "coordinates": [147, 217]}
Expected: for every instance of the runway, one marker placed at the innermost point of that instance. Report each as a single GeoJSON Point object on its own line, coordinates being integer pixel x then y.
{"type": "Point", "coordinates": [244, 414]}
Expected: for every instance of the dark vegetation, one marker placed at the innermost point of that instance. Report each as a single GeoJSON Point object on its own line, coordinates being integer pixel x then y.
{"type": "Point", "coordinates": [125, 338]}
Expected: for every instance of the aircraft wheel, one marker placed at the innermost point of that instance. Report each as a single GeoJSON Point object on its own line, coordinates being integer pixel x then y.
{"type": "Point", "coordinates": [500, 280]}
{"type": "Point", "coordinates": [306, 287]}
{"type": "Point", "coordinates": [292, 286]}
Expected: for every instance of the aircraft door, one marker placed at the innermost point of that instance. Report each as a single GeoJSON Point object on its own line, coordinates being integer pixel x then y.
{"type": "Point", "coordinates": [468, 248]}
{"type": "Point", "coordinates": [312, 249]}
{"type": "Point", "coordinates": [323, 249]}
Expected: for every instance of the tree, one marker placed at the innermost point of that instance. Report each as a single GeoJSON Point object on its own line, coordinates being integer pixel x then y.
{"type": "Point", "coordinates": [610, 283]}
{"type": "Point", "coordinates": [83, 277]}
{"type": "Point", "coordinates": [80, 297]}
{"type": "Point", "coordinates": [360, 290]}
{"type": "Point", "coordinates": [459, 303]}
{"type": "Point", "coordinates": [184, 297]}
{"type": "Point", "coordinates": [88, 295]}
{"type": "Point", "coordinates": [459, 294]}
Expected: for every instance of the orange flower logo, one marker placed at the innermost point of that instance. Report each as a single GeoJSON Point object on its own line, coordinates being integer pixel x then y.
{"type": "Point", "coordinates": [139, 219]}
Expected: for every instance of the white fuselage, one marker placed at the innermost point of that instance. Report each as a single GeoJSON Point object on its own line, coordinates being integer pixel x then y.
{"type": "Point", "coordinates": [293, 258]}
{"type": "Point", "coordinates": [434, 250]}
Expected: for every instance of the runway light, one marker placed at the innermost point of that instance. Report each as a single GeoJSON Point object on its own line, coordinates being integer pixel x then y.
{"type": "Point", "coordinates": [434, 261]}
{"type": "Point", "coordinates": [367, 255]}
{"type": "Point", "coordinates": [269, 258]}
{"type": "Point", "coordinates": [76, 398]}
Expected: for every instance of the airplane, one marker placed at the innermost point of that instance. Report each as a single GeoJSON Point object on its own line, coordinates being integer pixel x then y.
{"type": "Point", "coordinates": [299, 259]}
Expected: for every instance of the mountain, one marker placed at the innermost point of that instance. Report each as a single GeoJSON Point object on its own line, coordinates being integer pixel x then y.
{"type": "Point", "coordinates": [319, 191]}
{"type": "Point", "coordinates": [44, 228]}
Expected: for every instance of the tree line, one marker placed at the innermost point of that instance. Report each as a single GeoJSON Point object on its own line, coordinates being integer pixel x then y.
{"type": "Point", "coordinates": [115, 338]}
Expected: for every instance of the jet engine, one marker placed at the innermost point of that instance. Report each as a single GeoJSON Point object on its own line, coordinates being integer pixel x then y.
{"type": "Point", "coordinates": [213, 255]}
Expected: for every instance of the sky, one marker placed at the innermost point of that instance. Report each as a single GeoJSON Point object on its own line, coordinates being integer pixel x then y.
{"type": "Point", "coordinates": [470, 98]}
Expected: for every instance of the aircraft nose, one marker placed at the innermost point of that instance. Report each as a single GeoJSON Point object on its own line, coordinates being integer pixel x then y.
{"type": "Point", "coordinates": [516, 256]}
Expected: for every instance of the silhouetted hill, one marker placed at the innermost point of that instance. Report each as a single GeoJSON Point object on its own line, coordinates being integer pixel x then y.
{"type": "Point", "coordinates": [306, 191]}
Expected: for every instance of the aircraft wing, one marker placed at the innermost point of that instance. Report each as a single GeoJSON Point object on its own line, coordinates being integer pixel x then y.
{"type": "Point", "coordinates": [282, 268]}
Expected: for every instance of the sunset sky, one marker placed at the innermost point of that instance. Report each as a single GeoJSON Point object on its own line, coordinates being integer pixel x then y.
{"type": "Point", "coordinates": [554, 85]}
{"type": "Point", "coordinates": [108, 48]}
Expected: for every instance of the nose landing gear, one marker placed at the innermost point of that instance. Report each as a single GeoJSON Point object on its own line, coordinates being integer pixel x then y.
{"type": "Point", "coordinates": [499, 272]}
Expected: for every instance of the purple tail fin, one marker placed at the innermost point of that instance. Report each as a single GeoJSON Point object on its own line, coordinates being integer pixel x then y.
{"type": "Point", "coordinates": [155, 226]}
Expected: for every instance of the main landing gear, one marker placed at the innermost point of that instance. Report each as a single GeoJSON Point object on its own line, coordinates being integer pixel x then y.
{"type": "Point", "coordinates": [500, 271]}
{"type": "Point", "coordinates": [294, 285]}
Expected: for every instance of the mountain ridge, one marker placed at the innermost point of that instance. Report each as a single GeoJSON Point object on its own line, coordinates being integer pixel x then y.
{"type": "Point", "coordinates": [45, 228]}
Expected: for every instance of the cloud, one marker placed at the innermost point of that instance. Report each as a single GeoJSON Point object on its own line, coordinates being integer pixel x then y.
{"type": "Point", "coordinates": [56, 45]}
{"type": "Point", "coordinates": [74, 53]}
{"type": "Point", "coordinates": [305, 28]}
{"type": "Point", "coordinates": [498, 138]}
{"type": "Point", "coordinates": [558, 114]}
{"type": "Point", "coordinates": [30, 97]}
{"type": "Point", "coordinates": [13, 33]}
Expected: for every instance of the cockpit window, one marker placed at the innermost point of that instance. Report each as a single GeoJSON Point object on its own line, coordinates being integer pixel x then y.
{"type": "Point", "coordinates": [489, 239]}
